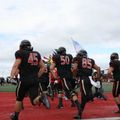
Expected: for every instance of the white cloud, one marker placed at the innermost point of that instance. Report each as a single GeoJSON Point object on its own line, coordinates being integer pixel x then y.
{"type": "Point", "coordinates": [102, 60]}
{"type": "Point", "coordinates": [49, 24]}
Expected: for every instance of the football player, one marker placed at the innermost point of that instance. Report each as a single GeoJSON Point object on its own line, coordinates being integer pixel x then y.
{"type": "Point", "coordinates": [62, 61]}
{"type": "Point", "coordinates": [56, 85]}
{"type": "Point", "coordinates": [114, 70]}
{"type": "Point", "coordinates": [84, 67]}
{"type": "Point", "coordinates": [30, 67]}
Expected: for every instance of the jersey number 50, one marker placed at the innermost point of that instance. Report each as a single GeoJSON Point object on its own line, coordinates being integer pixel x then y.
{"type": "Point", "coordinates": [65, 60]}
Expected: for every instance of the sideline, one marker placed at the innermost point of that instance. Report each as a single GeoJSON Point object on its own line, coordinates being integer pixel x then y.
{"type": "Point", "coordinates": [109, 118]}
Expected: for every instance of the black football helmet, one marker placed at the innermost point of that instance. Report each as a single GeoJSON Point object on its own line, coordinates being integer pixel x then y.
{"type": "Point", "coordinates": [25, 45]}
{"type": "Point", "coordinates": [61, 50]}
{"type": "Point", "coordinates": [114, 56]}
{"type": "Point", "coordinates": [82, 53]}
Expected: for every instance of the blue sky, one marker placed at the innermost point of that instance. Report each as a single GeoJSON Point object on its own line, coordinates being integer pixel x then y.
{"type": "Point", "coordinates": [49, 24]}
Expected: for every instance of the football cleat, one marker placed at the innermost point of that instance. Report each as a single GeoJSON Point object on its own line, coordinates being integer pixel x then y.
{"type": "Point", "coordinates": [13, 117]}
{"type": "Point", "coordinates": [45, 101]}
{"type": "Point", "coordinates": [60, 106]}
{"type": "Point", "coordinates": [77, 117]}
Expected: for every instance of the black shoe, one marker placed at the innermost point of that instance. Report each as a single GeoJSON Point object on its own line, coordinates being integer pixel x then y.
{"type": "Point", "coordinates": [45, 101]}
{"type": "Point", "coordinates": [77, 117]}
{"type": "Point", "coordinates": [117, 111]}
{"type": "Point", "coordinates": [60, 106]}
{"type": "Point", "coordinates": [13, 117]}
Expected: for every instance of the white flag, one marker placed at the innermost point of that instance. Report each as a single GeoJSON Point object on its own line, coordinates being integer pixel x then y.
{"type": "Point", "coordinates": [77, 46]}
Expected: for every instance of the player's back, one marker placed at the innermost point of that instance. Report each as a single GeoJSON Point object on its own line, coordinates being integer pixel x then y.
{"type": "Point", "coordinates": [29, 62]}
{"type": "Point", "coordinates": [63, 63]}
{"type": "Point", "coordinates": [85, 66]}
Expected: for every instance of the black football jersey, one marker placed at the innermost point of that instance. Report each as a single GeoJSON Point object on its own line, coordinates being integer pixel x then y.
{"type": "Point", "coordinates": [63, 64]}
{"type": "Point", "coordinates": [85, 66]}
{"type": "Point", "coordinates": [116, 72]}
{"type": "Point", "coordinates": [30, 62]}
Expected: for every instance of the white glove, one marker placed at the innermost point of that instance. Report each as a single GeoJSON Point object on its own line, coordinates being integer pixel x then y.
{"type": "Point", "coordinates": [96, 84]}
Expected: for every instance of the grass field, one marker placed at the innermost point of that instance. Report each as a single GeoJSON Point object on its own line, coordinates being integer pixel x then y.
{"type": "Point", "coordinates": [107, 87]}
{"type": "Point", "coordinates": [7, 88]}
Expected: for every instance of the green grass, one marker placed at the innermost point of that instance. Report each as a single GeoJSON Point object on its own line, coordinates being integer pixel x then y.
{"type": "Point", "coordinates": [7, 88]}
{"type": "Point", "coordinates": [107, 86]}
{"type": "Point", "coordinates": [11, 88]}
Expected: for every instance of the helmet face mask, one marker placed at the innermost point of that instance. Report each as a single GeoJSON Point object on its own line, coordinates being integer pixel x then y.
{"type": "Point", "coordinates": [114, 56]}
{"type": "Point", "coordinates": [25, 45]}
{"type": "Point", "coordinates": [82, 53]}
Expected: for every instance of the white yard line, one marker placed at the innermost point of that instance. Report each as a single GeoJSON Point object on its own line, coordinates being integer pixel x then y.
{"type": "Point", "coordinates": [109, 118]}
